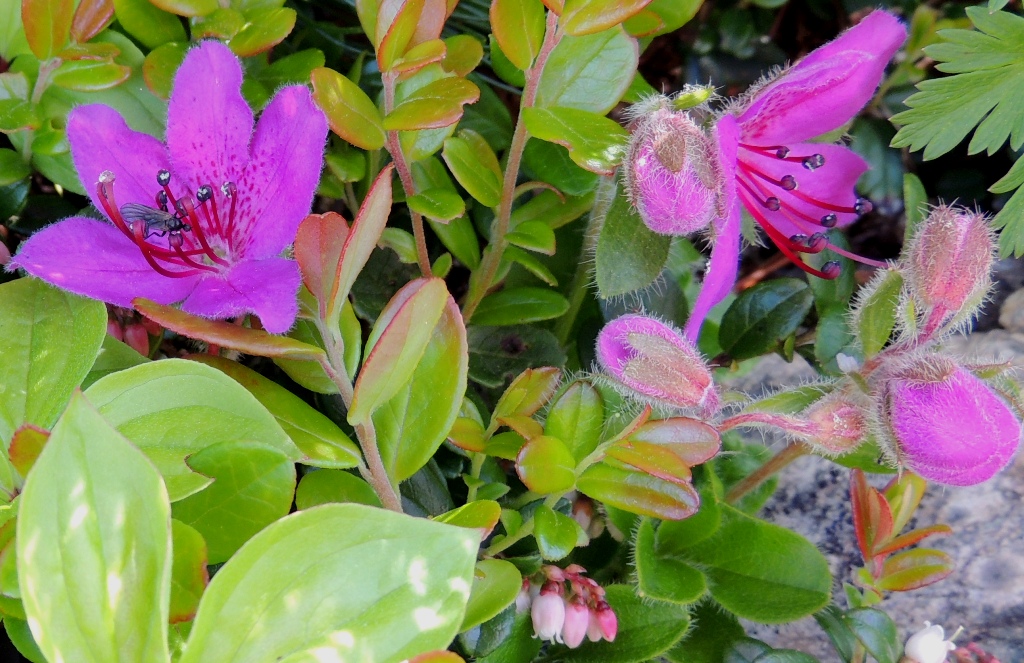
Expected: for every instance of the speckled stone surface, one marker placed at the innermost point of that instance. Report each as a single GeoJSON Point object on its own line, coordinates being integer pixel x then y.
{"type": "Point", "coordinates": [986, 592]}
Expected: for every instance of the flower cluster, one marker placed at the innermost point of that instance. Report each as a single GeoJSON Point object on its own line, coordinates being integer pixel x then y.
{"type": "Point", "coordinates": [567, 615]}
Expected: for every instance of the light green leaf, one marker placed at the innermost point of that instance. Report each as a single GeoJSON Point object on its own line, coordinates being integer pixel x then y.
{"type": "Point", "coordinates": [327, 486]}
{"type": "Point", "coordinates": [514, 306]}
{"type": "Point", "coordinates": [189, 576]}
{"type": "Point", "coordinates": [496, 583]}
{"type": "Point", "coordinates": [594, 141]}
{"type": "Point", "coordinates": [518, 26]}
{"type": "Point", "coordinates": [349, 111]}
{"type": "Point", "coordinates": [590, 72]}
{"type": "Point", "coordinates": [147, 23]}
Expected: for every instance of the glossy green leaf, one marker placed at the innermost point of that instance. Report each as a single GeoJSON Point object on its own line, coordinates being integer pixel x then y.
{"type": "Point", "coordinates": [876, 631]}
{"type": "Point", "coordinates": [638, 492]}
{"type": "Point", "coordinates": [518, 26]}
{"type": "Point", "coordinates": [349, 111]}
{"type": "Point", "coordinates": [187, 7]}
{"type": "Point", "coordinates": [348, 582]}
{"type": "Point", "coordinates": [509, 639]}
{"type": "Point", "coordinates": [222, 23]}
{"type": "Point", "coordinates": [482, 515]}
{"type": "Point", "coordinates": [47, 25]}
{"type": "Point", "coordinates": [761, 571]}
{"type": "Point", "coordinates": [594, 141]}
{"type": "Point", "coordinates": [16, 115]}
{"type": "Point", "coordinates": [464, 53]}
{"type": "Point", "coordinates": [113, 356]}
{"type": "Point", "coordinates": [577, 418]}
{"type": "Point", "coordinates": [556, 533]}
{"type": "Point", "coordinates": [393, 34]}
{"type": "Point", "coordinates": [172, 409]}
{"type": "Point", "coordinates": [416, 419]}
{"type": "Point", "coordinates": [12, 167]}
{"type": "Point", "coordinates": [161, 65]}
{"type": "Point", "coordinates": [584, 17]}
{"type": "Point", "coordinates": [620, 272]}
{"type": "Point", "coordinates": [528, 393]}
{"type": "Point", "coordinates": [253, 485]}
{"type": "Point", "coordinates": [320, 440]}
{"type": "Point", "coordinates": [674, 13]}
{"type": "Point", "coordinates": [147, 23]}
{"type": "Point", "coordinates": [496, 583]}
{"type": "Point", "coordinates": [263, 30]}
{"type": "Point", "coordinates": [327, 486]}
{"type": "Point", "coordinates": [435, 105]}
{"type": "Point", "coordinates": [307, 373]}
{"type": "Point", "coordinates": [20, 636]}
{"type": "Point", "coordinates": [503, 67]}
{"type": "Point", "coordinates": [764, 315]}
{"type": "Point", "coordinates": [915, 201]}
{"type": "Point", "coordinates": [474, 168]}
{"type": "Point", "coordinates": [530, 263]}
{"type": "Point", "coordinates": [50, 339]}
{"type": "Point", "coordinates": [913, 569]}
{"type": "Point", "coordinates": [420, 56]}
{"type": "Point", "coordinates": [664, 577]}
{"type": "Point", "coordinates": [93, 498]}
{"type": "Point", "coordinates": [90, 75]}
{"type": "Point", "coordinates": [877, 312]}
{"type": "Point", "coordinates": [546, 466]}
{"type": "Point", "coordinates": [189, 576]}
{"type": "Point", "coordinates": [514, 306]}
{"type": "Point", "coordinates": [591, 72]}
{"type": "Point", "coordinates": [533, 236]}
{"type": "Point", "coordinates": [438, 204]}
{"type": "Point", "coordinates": [646, 630]}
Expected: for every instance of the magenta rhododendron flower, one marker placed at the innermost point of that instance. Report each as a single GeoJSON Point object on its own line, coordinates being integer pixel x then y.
{"type": "Point", "coordinates": [947, 425]}
{"type": "Point", "coordinates": [202, 219]}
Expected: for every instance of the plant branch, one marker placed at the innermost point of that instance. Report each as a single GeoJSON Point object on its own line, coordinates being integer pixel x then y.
{"type": "Point", "coordinates": [766, 471]}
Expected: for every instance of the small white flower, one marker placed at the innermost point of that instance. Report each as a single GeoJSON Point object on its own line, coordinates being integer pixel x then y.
{"type": "Point", "coordinates": [928, 645]}
{"type": "Point", "coordinates": [548, 613]}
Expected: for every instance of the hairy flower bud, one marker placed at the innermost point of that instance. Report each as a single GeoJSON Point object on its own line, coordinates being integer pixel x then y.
{"type": "Point", "coordinates": [548, 613]}
{"type": "Point", "coordinates": [653, 359]}
{"type": "Point", "coordinates": [837, 425]}
{"type": "Point", "coordinates": [928, 645]}
{"type": "Point", "coordinates": [671, 172]}
{"type": "Point", "coordinates": [948, 264]}
{"type": "Point", "coordinates": [946, 424]}
{"type": "Point", "coordinates": [577, 618]}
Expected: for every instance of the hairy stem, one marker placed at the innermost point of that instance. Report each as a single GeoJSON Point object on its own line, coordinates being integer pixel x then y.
{"type": "Point", "coordinates": [765, 472]}
{"type": "Point", "coordinates": [492, 258]}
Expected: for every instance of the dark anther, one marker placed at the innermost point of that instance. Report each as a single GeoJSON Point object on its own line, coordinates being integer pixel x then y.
{"type": "Point", "coordinates": [798, 238]}
{"type": "Point", "coordinates": [163, 177]}
{"type": "Point", "coordinates": [204, 192]}
{"type": "Point", "coordinates": [831, 269]}
{"type": "Point", "coordinates": [773, 204]}
{"type": "Point", "coordinates": [175, 240]}
{"type": "Point", "coordinates": [829, 220]}
{"type": "Point", "coordinates": [788, 182]}
{"type": "Point", "coordinates": [817, 242]}
{"type": "Point", "coordinates": [863, 206]}
{"type": "Point", "coordinates": [228, 189]}
{"type": "Point", "coordinates": [161, 200]}
{"type": "Point", "coordinates": [814, 161]}
{"type": "Point", "coordinates": [782, 152]}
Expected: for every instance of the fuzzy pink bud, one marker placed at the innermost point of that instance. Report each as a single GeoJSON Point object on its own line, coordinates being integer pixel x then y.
{"type": "Point", "coordinates": [928, 645]}
{"type": "Point", "coordinates": [948, 425]}
{"type": "Point", "coordinates": [607, 621]}
{"type": "Point", "coordinates": [837, 425]}
{"type": "Point", "coordinates": [577, 618]}
{"type": "Point", "coordinates": [653, 359]}
{"type": "Point", "coordinates": [671, 172]}
{"type": "Point", "coordinates": [548, 613]}
{"type": "Point", "coordinates": [948, 263]}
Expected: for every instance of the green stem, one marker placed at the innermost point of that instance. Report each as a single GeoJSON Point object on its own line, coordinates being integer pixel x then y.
{"type": "Point", "coordinates": [474, 471]}
{"type": "Point", "coordinates": [523, 532]}
{"type": "Point", "coordinates": [492, 258]}
{"type": "Point", "coordinates": [765, 472]}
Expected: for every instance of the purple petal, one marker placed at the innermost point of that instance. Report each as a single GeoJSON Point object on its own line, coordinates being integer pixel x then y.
{"type": "Point", "coordinates": [725, 242]}
{"type": "Point", "coordinates": [208, 122]}
{"type": "Point", "coordinates": [95, 259]}
{"type": "Point", "coordinates": [264, 287]}
{"type": "Point", "coordinates": [100, 140]}
{"type": "Point", "coordinates": [832, 183]}
{"type": "Point", "coordinates": [276, 190]}
{"type": "Point", "coordinates": [827, 88]}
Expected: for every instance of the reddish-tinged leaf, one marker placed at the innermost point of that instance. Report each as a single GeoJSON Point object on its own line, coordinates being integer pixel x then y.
{"type": "Point", "coordinates": [421, 55]}
{"type": "Point", "coordinates": [872, 519]}
{"type": "Point", "coordinates": [585, 17]}
{"type": "Point", "coordinates": [692, 441]}
{"type": "Point", "coordinates": [638, 492]}
{"type": "Point", "coordinates": [643, 24]}
{"type": "Point", "coordinates": [189, 575]}
{"type": "Point", "coordinates": [554, 5]}
{"type": "Point", "coordinates": [912, 537]}
{"type": "Point", "coordinates": [26, 445]}
{"type": "Point", "coordinates": [160, 66]}
{"type": "Point", "coordinates": [90, 75]}
{"type": "Point", "coordinates": [265, 29]}
{"type": "Point", "coordinates": [481, 514]}
{"type": "Point", "coordinates": [430, 23]}
{"type": "Point", "coordinates": [528, 392]}
{"type": "Point", "coordinates": [351, 114]}
{"type": "Point", "coordinates": [47, 25]}
{"type": "Point", "coordinates": [546, 466]}
{"type": "Point", "coordinates": [187, 7]}
{"type": "Point", "coordinates": [467, 434]}
{"type": "Point", "coordinates": [914, 569]}
{"type": "Point", "coordinates": [394, 31]}
{"type": "Point", "coordinates": [224, 23]}
{"type": "Point", "coordinates": [95, 51]}
{"type": "Point", "coordinates": [464, 54]}
{"type": "Point", "coordinates": [518, 26]}
{"type": "Point", "coordinates": [904, 494]}
{"type": "Point", "coordinates": [91, 17]}
{"type": "Point", "coordinates": [653, 459]}
{"type": "Point", "coordinates": [525, 426]}
{"type": "Point", "coordinates": [435, 105]}
{"type": "Point", "coordinates": [437, 657]}
{"type": "Point", "coordinates": [637, 422]}
{"type": "Point", "coordinates": [318, 247]}
{"type": "Point", "coordinates": [226, 334]}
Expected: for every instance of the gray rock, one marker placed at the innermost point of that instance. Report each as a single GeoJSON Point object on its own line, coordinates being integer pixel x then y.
{"type": "Point", "coordinates": [1011, 315]}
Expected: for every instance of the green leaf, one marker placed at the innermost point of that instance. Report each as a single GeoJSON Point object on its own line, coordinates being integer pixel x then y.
{"type": "Point", "coordinates": [497, 354]}
{"type": "Point", "coordinates": [577, 419]}
{"type": "Point", "coordinates": [222, 23]}
{"type": "Point", "coordinates": [591, 72]}
{"type": "Point", "coordinates": [595, 142]}
{"type": "Point", "coordinates": [664, 577]}
{"type": "Point", "coordinates": [585, 17]}
{"type": "Point", "coordinates": [877, 312]}
{"type": "Point", "coordinates": [187, 7]}
{"type": "Point", "coordinates": [530, 263]}
{"type": "Point", "coordinates": [147, 23]}
{"type": "Point", "coordinates": [764, 315]}
{"type": "Point", "coordinates": [518, 26]}
{"type": "Point", "coordinates": [550, 163]}
{"type": "Point", "coordinates": [253, 485]}
{"type": "Point", "coordinates": [983, 91]}
{"type": "Point", "coordinates": [93, 498]}
{"type": "Point", "coordinates": [503, 67]}
{"type": "Point", "coordinates": [349, 111]}
{"type": "Point", "coordinates": [517, 645]}
{"type": "Point", "coordinates": [47, 25]}
{"type": "Point", "coordinates": [646, 630]}
{"type": "Point", "coordinates": [433, 106]}
{"type": "Point", "coordinates": [438, 204]}
{"type": "Point", "coordinates": [915, 201]}
{"type": "Point", "coordinates": [307, 373]}
{"type": "Point", "coordinates": [496, 583]}
{"type": "Point", "coordinates": [160, 66]}
{"type": "Point", "coordinates": [674, 13]}
{"type": "Point", "coordinates": [113, 356]}
{"type": "Point", "coordinates": [528, 393]}
{"type": "Point", "coordinates": [475, 167]}
{"type": "Point", "coordinates": [20, 636]}
{"type": "Point", "coordinates": [16, 115]}
{"type": "Point", "coordinates": [320, 440]}
{"type": "Point", "coordinates": [638, 492]}
{"type": "Point", "coordinates": [761, 571]}
{"type": "Point", "coordinates": [714, 630]}
{"type": "Point", "coordinates": [546, 466]}
{"type": "Point", "coordinates": [263, 30]}
{"type": "Point", "coordinates": [675, 536]}
{"type": "Point", "coordinates": [556, 533]}
{"type": "Point", "coordinates": [327, 486]}
{"type": "Point", "coordinates": [90, 75]}
{"type": "Point", "coordinates": [189, 576]}
{"type": "Point", "coordinates": [533, 236]}
{"type": "Point", "coordinates": [172, 409]}
{"type": "Point", "coordinates": [50, 340]}
{"type": "Point", "coordinates": [12, 167]}
{"type": "Point", "coordinates": [520, 305]}
{"type": "Point", "coordinates": [349, 582]}
{"type": "Point", "coordinates": [876, 631]}
{"type": "Point", "coordinates": [619, 272]}
{"type": "Point", "coordinates": [459, 237]}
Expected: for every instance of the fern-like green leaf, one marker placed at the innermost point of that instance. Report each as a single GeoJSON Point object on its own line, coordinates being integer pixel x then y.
{"type": "Point", "coordinates": [985, 91]}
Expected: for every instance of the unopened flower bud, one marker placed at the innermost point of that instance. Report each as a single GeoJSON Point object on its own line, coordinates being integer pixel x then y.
{"type": "Point", "coordinates": [947, 425]}
{"type": "Point", "coordinates": [548, 613]}
{"type": "Point", "coordinates": [115, 329]}
{"type": "Point", "coordinates": [654, 360]}
{"type": "Point", "coordinates": [523, 598]}
{"type": "Point", "coordinates": [137, 338]}
{"type": "Point", "coordinates": [5, 254]}
{"type": "Point", "coordinates": [671, 172]}
{"type": "Point", "coordinates": [837, 424]}
{"type": "Point", "coordinates": [606, 621]}
{"type": "Point", "coordinates": [593, 628]}
{"type": "Point", "coordinates": [577, 618]}
{"type": "Point", "coordinates": [928, 645]}
{"type": "Point", "coordinates": [948, 264]}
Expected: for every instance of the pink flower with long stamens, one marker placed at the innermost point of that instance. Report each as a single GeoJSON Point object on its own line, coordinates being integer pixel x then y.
{"type": "Point", "coordinates": [795, 190]}
{"type": "Point", "coordinates": [202, 219]}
